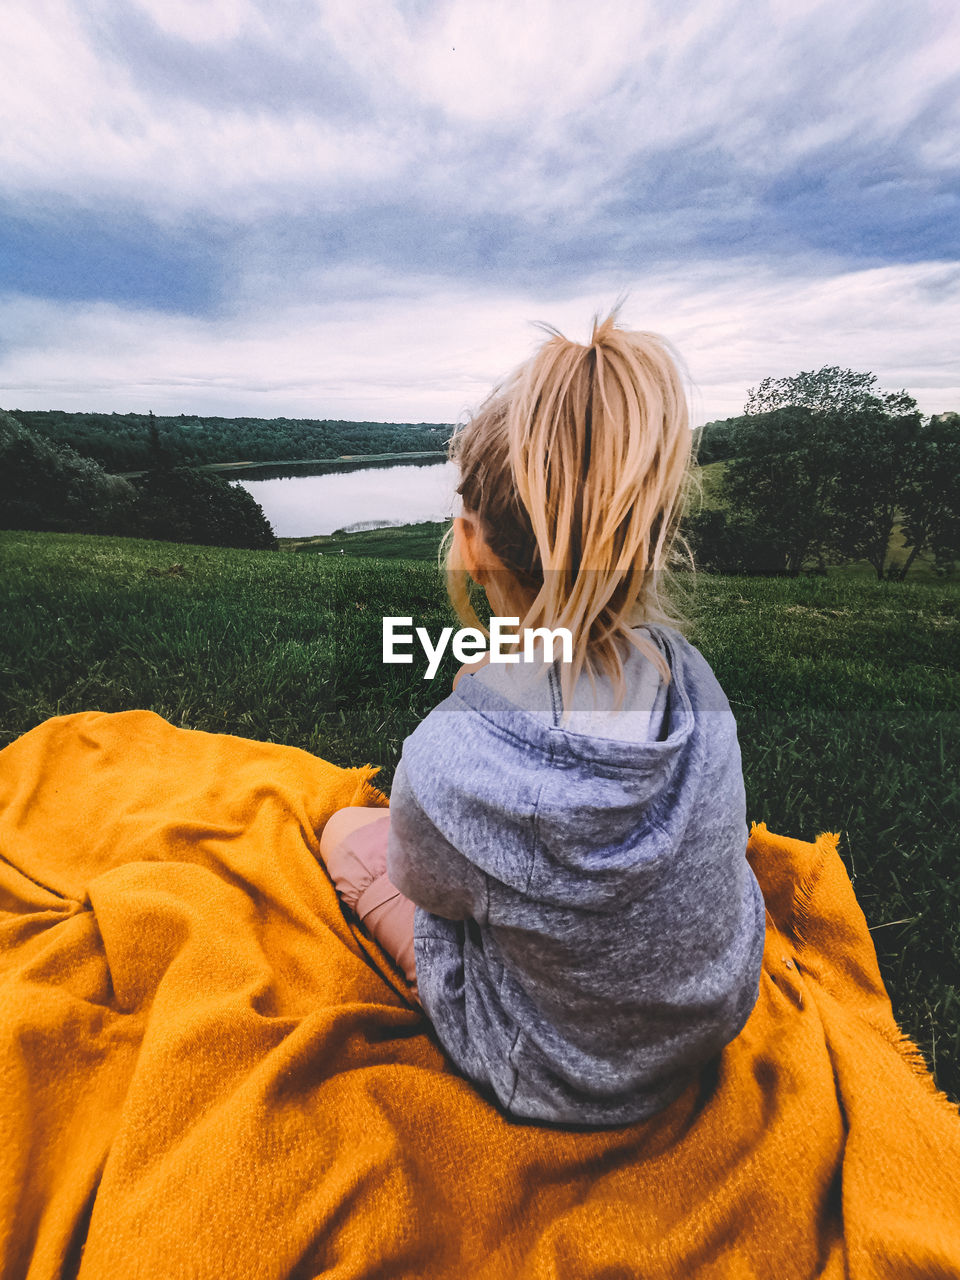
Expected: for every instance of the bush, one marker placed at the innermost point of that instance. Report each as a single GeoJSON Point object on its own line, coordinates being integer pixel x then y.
{"type": "Point", "coordinates": [181, 505]}
{"type": "Point", "coordinates": [51, 487]}
{"type": "Point", "coordinates": [724, 545]}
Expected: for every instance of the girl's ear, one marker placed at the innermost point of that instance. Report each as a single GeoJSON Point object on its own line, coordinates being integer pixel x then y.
{"type": "Point", "coordinates": [467, 537]}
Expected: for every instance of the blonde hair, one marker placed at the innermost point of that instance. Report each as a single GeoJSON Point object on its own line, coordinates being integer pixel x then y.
{"type": "Point", "coordinates": [578, 467]}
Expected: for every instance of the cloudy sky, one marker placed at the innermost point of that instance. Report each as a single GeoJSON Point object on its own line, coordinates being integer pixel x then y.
{"type": "Point", "coordinates": [357, 208]}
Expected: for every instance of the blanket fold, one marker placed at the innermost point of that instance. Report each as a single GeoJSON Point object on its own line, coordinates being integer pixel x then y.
{"type": "Point", "coordinates": [207, 1071]}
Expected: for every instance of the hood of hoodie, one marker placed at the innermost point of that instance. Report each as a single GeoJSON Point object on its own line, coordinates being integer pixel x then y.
{"type": "Point", "coordinates": [575, 819]}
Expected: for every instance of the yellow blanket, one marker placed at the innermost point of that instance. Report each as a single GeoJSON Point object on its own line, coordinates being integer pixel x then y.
{"type": "Point", "coordinates": [206, 1071]}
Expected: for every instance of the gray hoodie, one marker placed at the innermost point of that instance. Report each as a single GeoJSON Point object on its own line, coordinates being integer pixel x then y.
{"type": "Point", "coordinates": [589, 933]}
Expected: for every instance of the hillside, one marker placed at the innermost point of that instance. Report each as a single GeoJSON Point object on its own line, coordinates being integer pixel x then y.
{"type": "Point", "coordinates": [845, 693]}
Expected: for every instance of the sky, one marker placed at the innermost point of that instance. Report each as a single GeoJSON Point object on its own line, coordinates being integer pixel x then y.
{"type": "Point", "coordinates": [361, 209]}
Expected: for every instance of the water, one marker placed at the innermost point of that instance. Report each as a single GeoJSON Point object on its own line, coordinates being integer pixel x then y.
{"type": "Point", "coordinates": [302, 506]}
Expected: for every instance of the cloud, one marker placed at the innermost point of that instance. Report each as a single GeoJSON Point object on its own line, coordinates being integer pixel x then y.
{"type": "Point", "coordinates": [227, 186]}
{"type": "Point", "coordinates": [428, 353]}
{"type": "Point", "coordinates": [542, 111]}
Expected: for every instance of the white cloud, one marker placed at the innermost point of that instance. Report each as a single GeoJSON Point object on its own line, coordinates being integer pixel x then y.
{"type": "Point", "coordinates": [569, 95]}
{"type": "Point", "coordinates": [427, 353]}
{"type": "Point", "coordinates": [82, 128]}
{"type": "Point", "coordinates": [316, 160]}
{"type": "Point", "coordinates": [204, 21]}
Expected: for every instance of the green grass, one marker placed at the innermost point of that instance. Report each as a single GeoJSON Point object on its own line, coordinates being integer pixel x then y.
{"type": "Point", "coordinates": [846, 693]}
{"type": "Point", "coordinates": [408, 542]}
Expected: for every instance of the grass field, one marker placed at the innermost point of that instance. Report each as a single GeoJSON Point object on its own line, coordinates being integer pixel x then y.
{"type": "Point", "coordinates": [408, 542]}
{"type": "Point", "coordinates": [846, 693]}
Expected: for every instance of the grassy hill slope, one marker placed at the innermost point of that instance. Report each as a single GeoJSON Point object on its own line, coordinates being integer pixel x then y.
{"type": "Point", "coordinates": [845, 690]}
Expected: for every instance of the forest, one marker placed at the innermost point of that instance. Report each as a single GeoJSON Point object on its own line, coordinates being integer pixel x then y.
{"type": "Point", "coordinates": [121, 442]}
{"type": "Point", "coordinates": [52, 487]}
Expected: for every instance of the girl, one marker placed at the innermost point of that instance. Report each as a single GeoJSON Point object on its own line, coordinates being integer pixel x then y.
{"type": "Point", "coordinates": [562, 872]}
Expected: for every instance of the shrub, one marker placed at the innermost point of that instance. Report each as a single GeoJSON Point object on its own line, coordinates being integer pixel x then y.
{"type": "Point", "coordinates": [181, 505]}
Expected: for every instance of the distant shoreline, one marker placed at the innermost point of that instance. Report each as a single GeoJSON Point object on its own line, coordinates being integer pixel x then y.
{"type": "Point", "coordinates": [345, 459]}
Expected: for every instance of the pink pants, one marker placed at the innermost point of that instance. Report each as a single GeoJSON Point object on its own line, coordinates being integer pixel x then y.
{"type": "Point", "coordinates": [357, 864]}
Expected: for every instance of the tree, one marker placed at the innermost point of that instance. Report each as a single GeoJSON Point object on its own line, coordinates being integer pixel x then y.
{"type": "Point", "coordinates": [182, 505]}
{"type": "Point", "coordinates": [828, 390]}
{"type": "Point", "coordinates": [725, 544]}
{"type": "Point", "coordinates": [930, 495]}
{"type": "Point", "coordinates": [48, 486]}
{"type": "Point", "coordinates": [848, 453]}
{"type": "Point", "coordinates": [715, 441]}
{"type": "Point", "coordinates": [781, 487]}
{"type": "Point", "coordinates": [160, 457]}
{"type": "Point", "coordinates": [882, 462]}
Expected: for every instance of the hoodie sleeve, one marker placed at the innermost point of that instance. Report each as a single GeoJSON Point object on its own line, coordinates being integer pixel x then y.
{"type": "Point", "coordinates": [423, 864]}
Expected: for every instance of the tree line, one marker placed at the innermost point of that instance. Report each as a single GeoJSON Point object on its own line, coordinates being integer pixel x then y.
{"type": "Point", "coordinates": [122, 441]}
{"type": "Point", "coordinates": [52, 487]}
{"type": "Point", "coordinates": [819, 469]}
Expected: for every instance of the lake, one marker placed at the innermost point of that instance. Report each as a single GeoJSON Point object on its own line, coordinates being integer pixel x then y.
{"type": "Point", "coordinates": [302, 505]}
